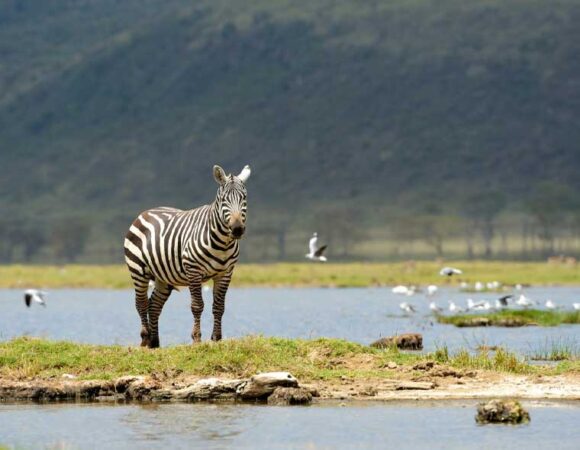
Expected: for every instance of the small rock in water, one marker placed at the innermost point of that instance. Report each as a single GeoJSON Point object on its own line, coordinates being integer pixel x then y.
{"type": "Point", "coordinates": [290, 396]}
{"type": "Point", "coordinates": [501, 411]}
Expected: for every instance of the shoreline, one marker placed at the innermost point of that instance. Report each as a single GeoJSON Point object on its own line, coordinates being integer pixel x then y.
{"type": "Point", "coordinates": [195, 389]}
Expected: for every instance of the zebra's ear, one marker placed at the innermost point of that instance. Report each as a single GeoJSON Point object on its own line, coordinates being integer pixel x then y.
{"type": "Point", "coordinates": [219, 175]}
{"type": "Point", "coordinates": [245, 174]}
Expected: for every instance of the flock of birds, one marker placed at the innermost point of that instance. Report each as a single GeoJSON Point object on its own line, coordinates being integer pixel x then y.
{"type": "Point", "coordinates": [499, 304]}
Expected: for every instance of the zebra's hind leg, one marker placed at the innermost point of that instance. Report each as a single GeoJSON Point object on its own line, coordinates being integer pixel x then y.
{"type": "Point", "coordinates": [158, 298]}
{"type": "Point", "coordinates": [142, 305]}
{"type": "Point", "coordinates": [196, 307]}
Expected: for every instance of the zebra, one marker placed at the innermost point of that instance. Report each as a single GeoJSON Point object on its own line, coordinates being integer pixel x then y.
{"type": "Point", "coordinates": [175, 248]}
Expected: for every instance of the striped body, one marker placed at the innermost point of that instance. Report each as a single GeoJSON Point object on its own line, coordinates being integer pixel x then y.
{"type": "Point", "coordinates": [172, 248]}
{"type": "Point", "coordinates": [166, 244]}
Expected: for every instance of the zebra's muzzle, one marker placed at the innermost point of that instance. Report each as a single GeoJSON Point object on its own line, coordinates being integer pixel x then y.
{"type": "Point", "coordinates": [238, 231]}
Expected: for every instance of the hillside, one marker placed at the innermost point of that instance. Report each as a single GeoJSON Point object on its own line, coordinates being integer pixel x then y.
{"type": "Point", "coordinates": [107, 108]}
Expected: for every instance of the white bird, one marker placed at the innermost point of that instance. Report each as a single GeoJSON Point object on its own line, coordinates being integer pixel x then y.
{"type": "Point", "coordinates": [431, 290]}
{"type": "Point", "coordinates": [476, 305]}
{"type": "Point", "coordinates": [315, 253]}
{"type": "Point", "coordinates": [524, 301]}
{"type": "Point", "coordinates": [576, 306]}
{"type": "Point", "coordinates": [407, 307]}
{"type": "Point", "coordinates": [453, 308]}
{"type": "Point", "coordinates": [34, 295]}
{"type": "Point", "coordinates": [550, 305]}
{"type": "Point", "coordinates": [518, 287]}
{"type": "Point", "coordinates": [479, 286]}
{"type": "Point", "coordinates": [400, 289]}
{"type": "Point", "coordinates": [464, 285]}
{"type": "Point", "coordinates": [449, 271]}
{"type": "Point", "coordinates": [433, 307]}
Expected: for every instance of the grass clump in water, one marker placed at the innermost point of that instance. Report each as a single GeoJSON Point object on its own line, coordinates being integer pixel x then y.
{"type": "Point", "coordinates": [513, 318]}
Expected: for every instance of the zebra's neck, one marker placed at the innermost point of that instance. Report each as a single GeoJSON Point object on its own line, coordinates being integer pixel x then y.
{"type": "Point", "coordinates": [219, 234]}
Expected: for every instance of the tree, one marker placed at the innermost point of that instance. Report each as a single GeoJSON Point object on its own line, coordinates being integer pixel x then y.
{"type": "Point", "coordinates": [546, 206]}
{"type": "Point", "coordinates": [69, 238]}
{"type": "Point", "coordinates": [482, 208]}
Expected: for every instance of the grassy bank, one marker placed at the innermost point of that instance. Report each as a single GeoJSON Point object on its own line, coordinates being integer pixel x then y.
{"type": "Point", "coordinates": [514, 318]}
{"type": "Point", "coordinates": [320, 359]}
{"type": "Point", "coordinates": [306, 274]}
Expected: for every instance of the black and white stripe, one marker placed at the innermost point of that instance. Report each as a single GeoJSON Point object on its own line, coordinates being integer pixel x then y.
{"type": "Point", "coordinates": [175, 248]}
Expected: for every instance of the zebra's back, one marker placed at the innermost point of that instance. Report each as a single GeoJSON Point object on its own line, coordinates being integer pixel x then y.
{"type": "Point", "coordinates": [154, 245]}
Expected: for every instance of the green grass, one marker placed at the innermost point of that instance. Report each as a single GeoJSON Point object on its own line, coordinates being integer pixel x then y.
{"type": "Point", "coordinates": [500, 360]}
{"type": "Point", "coordinates": [556, 350]}
{"type": "Point", "coordinates": [320, 359]}
{"type": "Point", "coordinates": [305, 274]}
{"type": "Point", "coordinates": [516, 317]}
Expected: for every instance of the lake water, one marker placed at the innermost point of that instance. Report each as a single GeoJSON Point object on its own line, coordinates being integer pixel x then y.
{"type": "Point", "coordinates": [360, 315]}
{"type": "Point", "coordinates": [432, 425]}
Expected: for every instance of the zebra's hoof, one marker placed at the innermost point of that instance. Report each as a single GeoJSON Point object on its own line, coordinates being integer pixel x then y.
{"type": "Point", "coordinates": [154, 342]}
{"type": "Point", "coordinates": [144, 342]}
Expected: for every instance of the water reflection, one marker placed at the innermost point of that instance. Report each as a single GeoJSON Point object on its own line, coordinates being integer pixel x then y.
{"type": "Point", "coordinates": [400, 425]}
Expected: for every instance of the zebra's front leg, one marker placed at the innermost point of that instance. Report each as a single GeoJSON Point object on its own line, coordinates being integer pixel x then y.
{"type": "Point", "coordinates": [142, 306]}
{"type": "Point", "coordinates": [196, 307]}
{"type": "Point", "coordinates": [220, 287]}
{"type": "Point", "coordinates": [158, 298]}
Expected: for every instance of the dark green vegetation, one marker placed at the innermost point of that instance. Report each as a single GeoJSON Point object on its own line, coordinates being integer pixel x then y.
{"type": "Point", "coordinates": [438, 123]}
{"type": "Point", "coordinates": [308, 360]}
{"type": "Point", "coordinates": [511, 318]}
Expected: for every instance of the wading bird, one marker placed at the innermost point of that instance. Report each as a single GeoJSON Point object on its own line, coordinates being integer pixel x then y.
{"type": "Point", "coordinates": [431, 290]}
{"type": "Point", "coordinates": [34, 295]}
{"type": "Point", "coordinates": [434, 308]}
{"type": "Point", "coordinates": [550, 305]}
{"type": "Point", "coordinates": [453, 308]}
{"type": "Point", "coordinates": [315, 253]}
{"type": "Point", "coordinates": [524, 301]}
{"type": "Point", "coordinates": [407, 307]}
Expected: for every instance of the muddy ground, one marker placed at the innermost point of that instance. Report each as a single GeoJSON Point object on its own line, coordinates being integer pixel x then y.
{"type": "Point", "coordinates": [424, 381]}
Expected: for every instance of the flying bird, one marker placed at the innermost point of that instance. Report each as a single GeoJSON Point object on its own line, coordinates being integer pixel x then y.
{"type": "Point", "coordinates": [407, 307]}
{"type": "Point", "coordinates": [316, 252]}
{"type": "Point", "coordinates": [34, 295]}
{"type": "Point", "coordinates": [576, 306]}
{"type": "Point", "coordinates": [503, 301]}
{"type": "Point", "coordinates": [449, 271]}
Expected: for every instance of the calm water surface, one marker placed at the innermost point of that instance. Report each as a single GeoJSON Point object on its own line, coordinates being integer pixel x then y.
{"type": "Point", "coordinates": [361, 315]}
{"type": "Point", "coordinates": [205, 426]}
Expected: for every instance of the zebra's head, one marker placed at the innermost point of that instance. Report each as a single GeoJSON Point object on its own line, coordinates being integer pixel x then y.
{"type": "Point", "coordinates": [231, 200]}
